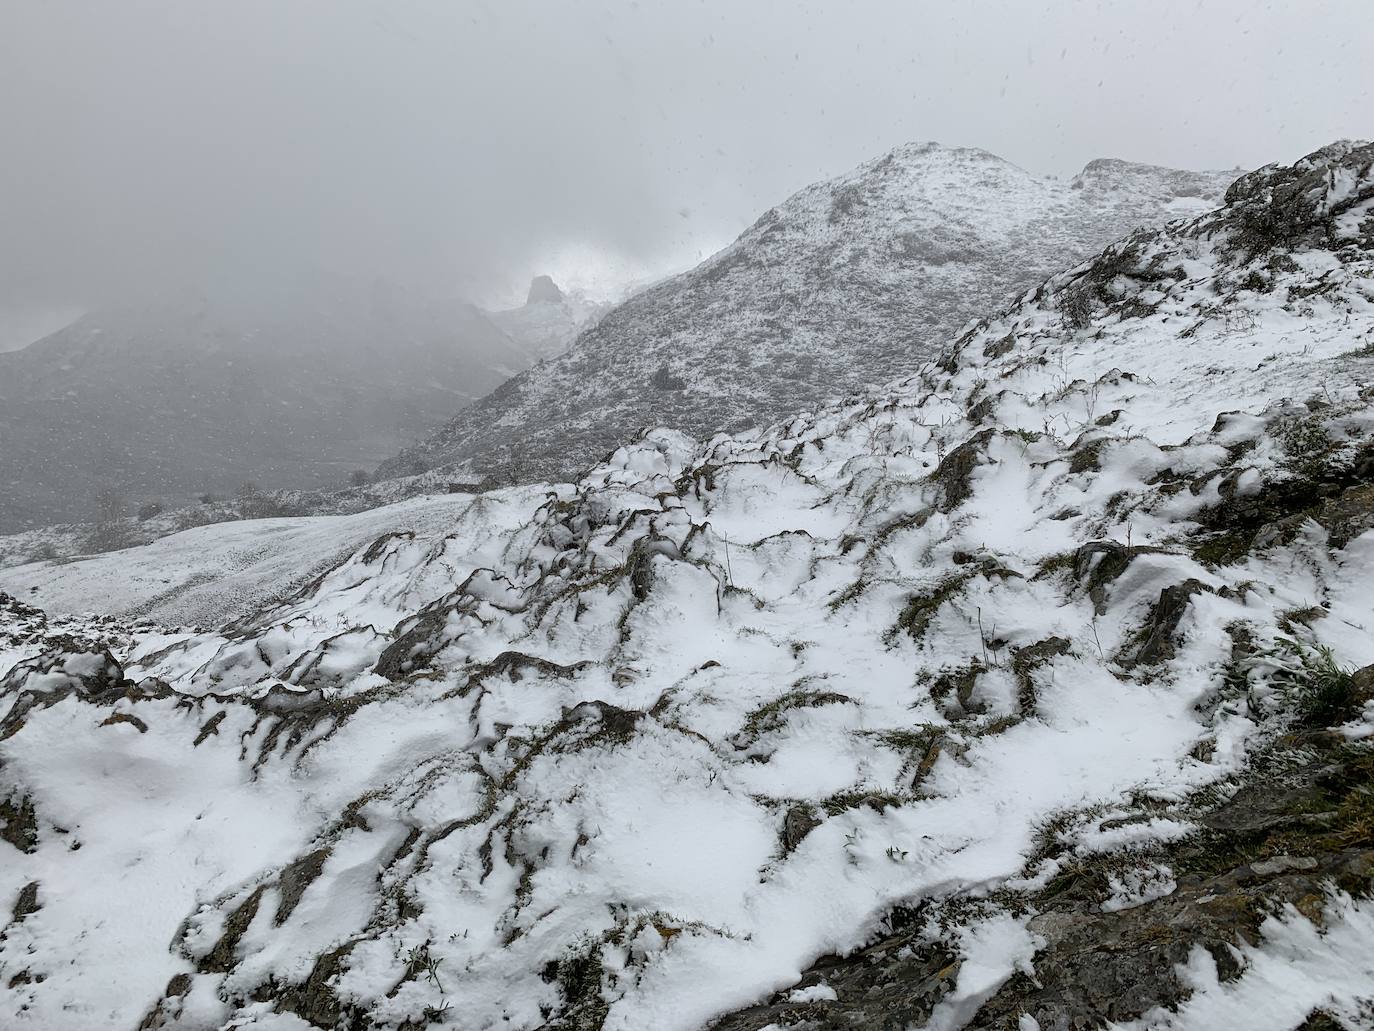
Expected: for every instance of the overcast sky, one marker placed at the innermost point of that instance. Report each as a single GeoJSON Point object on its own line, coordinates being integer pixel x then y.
{"type": "Point", "coordinates": [464, 146]}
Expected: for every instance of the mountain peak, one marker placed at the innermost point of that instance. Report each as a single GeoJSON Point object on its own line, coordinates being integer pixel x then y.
{"type": "Point", "coordinates": [790, 624]}
{"type": "Point", "coordinates": [923, 155]}
{"type": "Point", "coordinates": [544, 289]}
{"type": "Point", "coordinates": [851, 281]}
{"type": "Point", "coordinates": [930, 149]}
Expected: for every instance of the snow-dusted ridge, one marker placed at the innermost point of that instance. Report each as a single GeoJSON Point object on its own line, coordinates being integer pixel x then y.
{"type": "Point", "coordinates": [848, 283]}
{"type": "Point", "coordinates": [635, 752]}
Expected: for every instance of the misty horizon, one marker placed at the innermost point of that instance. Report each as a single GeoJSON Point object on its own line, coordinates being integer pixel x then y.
{"type": "Point", "coordinates": [463, 150]}
{"type": "Point", "coordinates": [687, 515]}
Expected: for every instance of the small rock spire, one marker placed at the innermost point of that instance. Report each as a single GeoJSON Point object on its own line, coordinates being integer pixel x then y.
{"type": "Point", "coordinates": [543, 288]}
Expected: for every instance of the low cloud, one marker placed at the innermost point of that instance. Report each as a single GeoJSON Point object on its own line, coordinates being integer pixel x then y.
{"type": "Point", "coordinates": [461, 147]}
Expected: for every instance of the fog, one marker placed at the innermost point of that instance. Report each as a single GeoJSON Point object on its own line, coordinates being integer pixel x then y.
{"type": "Point", "coordinates": [462, 147]}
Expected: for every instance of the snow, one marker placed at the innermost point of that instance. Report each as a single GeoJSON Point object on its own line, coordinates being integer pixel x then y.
{"type": "Point", "coordinates": [845, 284]}
{"type": "Point", "coordinates": [815, 993]}
{"type": "Point", "coordinates": [211, 575]}
{"type": "Point", "coordinates": [548, 738]}
{"type": "Point", "coordinates": [993, 950]}
{"type": "Point", "coordinates": [1298, 967]}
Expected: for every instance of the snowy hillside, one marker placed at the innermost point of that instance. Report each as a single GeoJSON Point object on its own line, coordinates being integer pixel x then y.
{"type": "Point", "coordinates": [171, 400]}
{"type": "Point", "coordinates": [1017, 694]}
{"type": "Point", "coordinates": [548, 321]}
{"type": "Point", "coordinates": [213, 574]}
{"type": "Point", "coordinates": [848, 283]}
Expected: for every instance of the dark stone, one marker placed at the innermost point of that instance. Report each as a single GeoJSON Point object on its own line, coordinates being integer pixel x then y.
{"type": "Point", "coordinates": [91, 671]}
{"type": "Point", "coordinates": [892, 985]}
{"type": "Point", "coordinates": [1362, 686]}
{"type": "Point", "coordinates": [1164, 619]}
{"type": "Point", "coordinates": [1026, 660]}
{"type": "Point", "coordinates": [20, 827]}
{"type": "Point", "coordinates": [27, 902]}
{"type": "Point", "coordinates": [543, 290]}
{"type": "Point", "coordinates": [293, 881]}
{"type": "Point", "coordinates": [998, 348]}
{"type": "Point", "coordinates": [313, 1000]}
{"type": "Point", "coordinates": [981, 411]}
{"type": "Point", "coordinates": [1348, 515]}
{"type": "Point", "coordinates": [1099, 967]}
{"type": "Point", "coordinates": [641, 569]}
{"type": "Point", "coordinates": [416, 641]}
{"type": "Point", "coordinates": [129, 719]}
{"type": "Point", "coordinates": [1320, 1020]}
{"type": "Point", "coordinates": [1290, 207]}
{"type": "Point", "coordinates": [223, 957]}
{"type": "Point", "coordinates": [955, 471]}
{"type": "Point", "coordinates": [796, 825]}
{"type": "Point", "coordinates": [1088, 457]}
{"type": "Point", "coordinates": [1097, 563]}
{"type": "Point", "coordinates": [209, 727]}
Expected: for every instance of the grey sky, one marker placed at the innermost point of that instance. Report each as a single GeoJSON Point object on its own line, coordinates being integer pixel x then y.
{"type": "Point", "coordinates": [466, 145]}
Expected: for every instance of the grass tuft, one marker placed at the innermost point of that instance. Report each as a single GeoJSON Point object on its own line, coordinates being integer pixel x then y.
{"type": "Point", "coordinates": [1323, 690]}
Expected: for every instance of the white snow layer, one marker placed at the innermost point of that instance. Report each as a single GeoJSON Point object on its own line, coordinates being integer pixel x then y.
{"type": "Point", "coordinates": [587, 741]}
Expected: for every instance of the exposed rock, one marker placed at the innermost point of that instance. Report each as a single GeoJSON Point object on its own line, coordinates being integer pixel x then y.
{"type": "Point", "coordinates": [543, 290]}
{"type": "Point", "coordinates": [67, 665]}
{"type": "Point", "coordinates": [1097, 563]}
{"type": "Point", "coordinates": [224, 953]}
{"type": "Point", "coordinates": [20, 826]}
{"type": "Point", "coordinates": [294, 880]}
{"type": "Point", "coordinates": [1288, 206]}
{"type": "Point", "coordinates": [796, 825]}
{"type": "Point", "coordinates": [314, 1000]}
{"type": "Point", "coordinates": [1161, 626]}
{"type": "Point", "coordinates": [27, 902]}
{"type": "Point", "coordinates": [954, 474]}
{"type": "Point", "coordinates": [892, 985]}
{"type": "Point", "coordinates": [1098, 966]}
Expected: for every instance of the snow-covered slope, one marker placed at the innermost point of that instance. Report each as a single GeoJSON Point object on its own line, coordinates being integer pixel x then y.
{"type": "Point", "coordinates": [1028, 673]}
{"type": "Point", "coordinates": [848, 283]}
{"type": "Point", "coordinates": [548, 321]}
{"type": "Point", "coordinates": [209, 575]}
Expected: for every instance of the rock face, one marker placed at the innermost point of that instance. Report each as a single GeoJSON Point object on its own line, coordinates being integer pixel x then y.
{"type": "Point", "coordinates": [848, 283]}
{"type": "Point", "coordinates": [543, 290]}
{"type": "Point", "coordinates": [860, 696]}
{"type": "Point", "coordinates": [1100, 963]}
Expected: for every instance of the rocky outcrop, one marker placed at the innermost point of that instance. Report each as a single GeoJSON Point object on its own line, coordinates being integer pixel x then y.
{"type": "Point", "coordinates": [543, 290]}
{"type": "Point", "coordinates": [1285, 838]}
{"type": "Point", "coordinates": [965, 713]}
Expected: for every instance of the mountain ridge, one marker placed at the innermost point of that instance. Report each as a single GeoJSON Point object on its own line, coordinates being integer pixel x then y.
{"type": "Point", "coordinates": [1032, 688]}
{"type": "Point", "coordinates": [848, 282]}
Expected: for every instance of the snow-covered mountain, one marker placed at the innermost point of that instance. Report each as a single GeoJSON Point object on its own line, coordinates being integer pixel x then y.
{"type": "Point", "coordinates": [1019, 693]}
{"type": "Point", "coordinates": [173, 399]}
{"type": "Point", "coordinates": [548, 321]}
{"type": "Point", "coordinates": [848, 283]}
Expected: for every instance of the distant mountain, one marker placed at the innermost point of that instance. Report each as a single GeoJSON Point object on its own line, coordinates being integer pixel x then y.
{"type": "Point", "coordinates": [848, 283]}
{"type": "Point", "coordinates": [548, 321]}
{"type": "Point", "coordinates": [198, 395]}
{"type": "Point", "coordinates": [1033, 690]}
